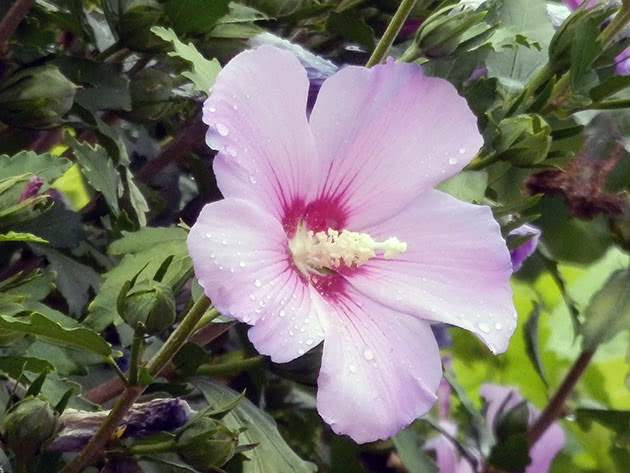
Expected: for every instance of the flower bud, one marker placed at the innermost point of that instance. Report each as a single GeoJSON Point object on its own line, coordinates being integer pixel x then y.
{"type": "Point", "coordinates": [441, 33]}
{"type": "Point", "coordinates": [207, 444]}
{"type": "Point", "coordinates": [37, 97]}
{"type": "Point", "coordinates": [150, 303]}
{"type": "Point", "coordinates": [523, 139]}
{"type": "Point", "coordinates": [28, 425]}
{"type": "Point", "coordinates": [565, 36]}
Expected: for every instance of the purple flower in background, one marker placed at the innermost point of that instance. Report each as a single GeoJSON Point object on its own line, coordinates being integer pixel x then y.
{"type": "Point", "coordinates": [547, 447]}
{"type": "Point", "coordinates": [622, 60]}
{"type": "Point", "coordinates": [331, 230]}
{"type": "Point", "coordinates": [498, 398]}
{"type": "Point", "coordinates": [524, 251]}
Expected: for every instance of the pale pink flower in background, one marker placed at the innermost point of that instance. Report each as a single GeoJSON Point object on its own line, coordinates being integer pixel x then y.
{"type": "Point", "coordinates": [502, 398]}
{"type": "Point", "coordinates": [498, 399]}
{"type": "Point", "coordinates": [330, 230]}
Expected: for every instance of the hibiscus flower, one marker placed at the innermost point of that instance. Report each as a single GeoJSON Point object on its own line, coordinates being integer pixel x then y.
{"type": "Point", "coordinates": [330, 230]}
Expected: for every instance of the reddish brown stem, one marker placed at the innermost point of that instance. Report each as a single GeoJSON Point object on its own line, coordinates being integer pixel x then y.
{"type": "Point", "coordinates": [13, 18]}
{"type": "Point", "coordinates": [555, 406]}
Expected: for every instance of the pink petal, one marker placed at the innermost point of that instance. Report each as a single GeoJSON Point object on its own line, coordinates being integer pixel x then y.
{"type": "Point", "coordinates": [239, 254]}
{"type": "Point", "coordinates": [380, 369]}
{"type": "Point", "coordinates": [256, 114]}
{"type": "Point", "coordinates": [456, 268]}
{"type": "Point", "coordinates": [389, 131]}
{"type": "Point", "coordinates": [445, 450]}
{"type": "Point", "coordinates": [550, 443]}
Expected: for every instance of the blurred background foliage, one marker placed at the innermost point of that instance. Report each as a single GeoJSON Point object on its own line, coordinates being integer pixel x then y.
{"type": "Point", "coordinates": [103, 165]}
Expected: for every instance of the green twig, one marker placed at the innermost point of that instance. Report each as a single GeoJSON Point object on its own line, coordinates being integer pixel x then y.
{"type": "Point", "coordinates": [130, 395]}
{"type": "Point", "coordinates": [117, 370]}
{"type": "Point", "coordinates": [386, 41]}
{"type": "Point", "coordinates": [137, 345]}
{"type": "Point", "coordinates": [229, 367]}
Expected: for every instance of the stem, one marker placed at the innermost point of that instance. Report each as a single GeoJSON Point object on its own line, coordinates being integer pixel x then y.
{"type": "Point", "coordinates": [210, 315]}
{"type": "Point", "coordinates": [130, 395]}
{"type": "Point", "coordinates": [166, 446]}
{"type": "Point", "coordinates": [607, 36]}
{"type": "Point", "coordinates": [178, 337]}
{"type": "Point", "coordinates": [134, 357]}
{"type": "Point", "coordinates": [554, 407]}
{"type": "Point", "coordinates": [381, 49]}
{"type": "Point", "coordinates": [118, 371]}
{"type": "Point", "coordinates": [229, 367]}
{"type": "Point", "coordinates": [105, 431]}
{"type": "Point", "coordinates": [13, 18]}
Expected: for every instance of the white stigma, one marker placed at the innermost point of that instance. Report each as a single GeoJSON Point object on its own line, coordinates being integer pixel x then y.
{"type": "Point", "coordinates": [321, 251]}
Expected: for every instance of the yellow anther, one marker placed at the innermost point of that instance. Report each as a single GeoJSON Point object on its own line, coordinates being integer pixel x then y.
{"type": "Point", "coordinates": [327, 250]}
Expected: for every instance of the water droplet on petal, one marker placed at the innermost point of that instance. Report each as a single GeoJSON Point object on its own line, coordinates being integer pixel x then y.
{"type": "Point", "coordinates": [309, 342]}
{"type": "Point", "coordinates": [483, 327]}
{"type": "Point", "coordinates": [252, 179]}
{"type": "Point", "coordinates": [242, 264]}
{"type": "Point", "coordinates": [300, 351]}
{"type": "Point", "coordinates": [231, 151]}
{"type": "Point", "coordinates": [209, 235]}
{"type": "Point", "coordinates": [224, 242]}
{"type": "Point", "coordinates": [498, 325]}
{"type": "Point", "coordinates": [235, 107]}
{"type": "Point", "coordinates": [282, 313]}
{"type": "Point", "coordinates": [368, 354]}
{"type": "Point", "coordinates": [212, 109]}
{"type": "Point", "coordinates": [222, 129]}
{"type": "Point", "coordinates": [462, 150]}
{"type": "Point", "coordinates": [452, 161]}
{"type": "Point", "coordinates": [257, 283]}
{"type": "Point", "coordinates": [352, 368]}
{"type": "Point", "coordinates": [252, 297]}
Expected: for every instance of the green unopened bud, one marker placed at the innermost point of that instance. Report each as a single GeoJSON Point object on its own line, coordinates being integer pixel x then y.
{"type": "Point", "coordinates": [136, 21]}
{"type": "Point", "coordinates": [150, 303]}
{"type": "Point", "coordinates": [565, 36]}
{"type": "Point", "coordinates": [442, 32]}
{"type": "Point", "coordinates": [207, 444]}
{"type": "Point", "coordinates": [28, 425]}
{"type": "Point", "coordinates": [37, 97]}
{"type": "Point", "coordinates": [523, 140]}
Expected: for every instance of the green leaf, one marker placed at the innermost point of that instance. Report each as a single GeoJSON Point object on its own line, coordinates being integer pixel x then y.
{"type": "Point", "coordinates": [99, 170]}
{"type": "Point", "coordinates": [530, 333]}
{"type": "Point", "coordinates": [49, 166]}
{"type": "Point", "coordinates": [60, 227]}
{"type": "Point", "coordinates": [272, 454]}
{"type": "Point", "coordinates": [195, 16]}
{"type": "Point", "coordinates": [469, 186]}
{"type": "Point", "coordinates": [145, 239]}
{"type": "Point", "coordinates": [409, 446]}
{"type": "Point", "coordinates": [514, 67]}
{"type": "Point", "coordinates": [610, 86]}
{"type": "Point", "coordinates": [74, 279]}
{"type": "Point", "coordinates": [351, 27]}
{"type": "Point", "coordinates": [584, 50]}
{"type": "Point", "coordinates": [613, 419]}
{"type": "Point", "coordinates": [608, 312]}
{"type": "Point", "coordinates": [511, 455]}
{"type": "Point", "coordinates": [203, 72]}
{"type": "Point", "coordinates": [41, 327]}
{"type": "Point", "coordinates": [14, 366]}
{"type": "Point", "coordinates": [17, 236]}
{"type": "Point", "coordinates": [144, 251]}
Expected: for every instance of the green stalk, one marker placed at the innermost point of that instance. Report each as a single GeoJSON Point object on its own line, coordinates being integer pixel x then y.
{"type": "Point", "coordinates": [381, 49]}
{"type": "Point", "coordinates": [130, 395]}
{"type": "Point", "coordinates": [229, 367]}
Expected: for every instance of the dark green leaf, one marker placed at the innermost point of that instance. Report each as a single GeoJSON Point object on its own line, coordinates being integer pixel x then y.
{"type": "Point", "coordinates": [203, 72]}
{"type": "Point", "coordinates": [530, 333]}
{"type": "Point", "coordinates": [409, 446]}
{"type": "Point", "coordinates": [272, 453]}
{"type": "Point", "coordinates": [15, 365]}
{"type": "Point", "coordinates": [41, 327]}
{"type": "Point", "coordinates": [195, 16]}
{"type": "Point", "coordinates": [511, 455]}
{"type": "Point", "coordinates": [608, 311]}
{"type": "Point", "coordinates": [351, 27]}
{"type": "Point", "coordinates": [613, 419]}
{"type": "Point", "coordinates": [610, 86]}
{"type": "Point", "coordinates": [584, 51]}
{"type": "Point", "coordinates": [99, 170]}
{"type": "Point", "coordinates": [48, 166]}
